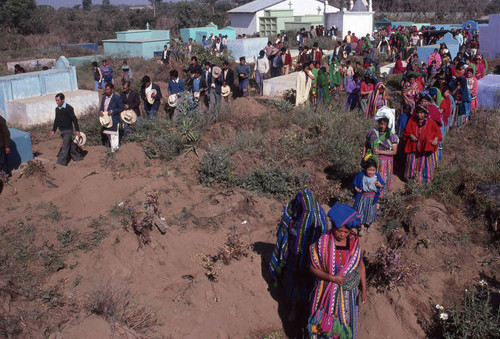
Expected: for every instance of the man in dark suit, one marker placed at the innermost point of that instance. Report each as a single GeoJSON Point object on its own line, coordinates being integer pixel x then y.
{"type": "Point", "coordinates": [198, 86]}
{"type": "Point", "coordinates": [65, 119]}
{"type": "Point", "coordinates": [207, 75]}
{"type": "Point", "coordinates": [227, 76]}
{"type": "Point", "coordinates": [4, 147]}
{"type": "Point", "coordinates": [112, 105]}
{"type": "Point", "coordinates": [148, 85]}
{"type": "Point", "coordinates": [131, 100]}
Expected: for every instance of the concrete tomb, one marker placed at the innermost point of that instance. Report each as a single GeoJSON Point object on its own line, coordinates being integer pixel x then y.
{"type": "Point", "coordinates": [488, 91]}
{"type": "Point", "coordinates": [389, 68]}
{"type": "Point", "coordinates": [28, 99]}
{"type": "Point", "coordinates": [425, 51]}
{"type": "Point", "coordinates": [90, 46]}
{"type": "Point", "coordinates": [137, 43]}
{"type": "Point", "coordinates": [31, 65]}
{"type": "Point", "coordinates": [21, 149]}
{"type": "Point", "coordinates": [249, 48]}
{"type": "Point", "coordinates": [197, 33]}
{"type": "Point", "coordinates": [489, 38]}
{"type": "Point", "coordinates": [275, 87]}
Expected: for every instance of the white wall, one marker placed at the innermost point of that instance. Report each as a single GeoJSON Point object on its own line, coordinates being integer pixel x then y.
{"type": "Point", "coordinates": [303, 7]}
{"type": "Point", "coordinates": [244, 23]}
{"type": "Point", "coordinates": [361, 23]}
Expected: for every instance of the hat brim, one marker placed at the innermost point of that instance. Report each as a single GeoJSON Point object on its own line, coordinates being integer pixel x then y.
{"type": "Point", "coordinates": [106, 121]}
{"type": "Point", "coordinates": [80, 141]}
{"type": "Point", "coordinates": [125, 116]}
{"type": "Point", "coordinates": [172, 100]}
{"type": "Point", "coordinates": [149, 97]}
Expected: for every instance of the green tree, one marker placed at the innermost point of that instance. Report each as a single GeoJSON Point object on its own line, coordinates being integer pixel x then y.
{"type": "Point", "coordinates": [86, 4]}
{"type": "Point", "coordinates": [106, 3]}
{"type": "Point", "coordinates": [18, 14]}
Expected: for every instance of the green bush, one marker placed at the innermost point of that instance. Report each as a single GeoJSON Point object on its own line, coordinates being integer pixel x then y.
{"type": "Point", "coordinates": [278, 181]}
{"type": "Point", "coordinates": [475, 318]}
{"type": "Point", "coordinates": [89, 124]}
{"type": "Point", "coordinates": [216, 167]}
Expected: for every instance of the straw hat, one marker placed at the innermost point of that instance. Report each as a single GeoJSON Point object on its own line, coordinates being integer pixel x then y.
{"type": "Point", "coordinates": [149, 97]}
{"type": "Point", "coordinates": [216, 71]}
{"type": "Point", "coordinates": [196, 95]}
{"type": "Point", "coordinates": [172, 100]}
{"type": "Point", "coordinates": [80, 141]}
{"type": "Point", "coordinates": [128, 116]}
{"type": "Point", "coordinates": [159, 61]}
{"type": "Point", "coordinates": [225, 90]}
{"type": "Point", "coordinates": [106, 120]}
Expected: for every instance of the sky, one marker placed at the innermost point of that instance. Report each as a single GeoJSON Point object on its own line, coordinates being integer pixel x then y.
{"type": "Point", "coordinates": [71, 3]}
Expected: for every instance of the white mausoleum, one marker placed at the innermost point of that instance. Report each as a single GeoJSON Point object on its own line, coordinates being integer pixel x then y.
{"type": "Point", "coordinates": [354, 16]}
{"type": "Point", "coordinates": [245, 19]}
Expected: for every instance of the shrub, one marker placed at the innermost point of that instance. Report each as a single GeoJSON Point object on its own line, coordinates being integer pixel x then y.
{"type": "Point", "coordinates": [279, 181]}
{"type": "Point", "coordinates": [476, 317]}
{"type": "Point", "coordinates": [216, 167]}
{"type": "Point", "coordinates": [118, 305]}
{"type": "Point", "coordinates": [392, 269]}
{"type": "Point", "coordinates": [34, 168]}
{"type": "Point", "coordinates": [89, 124]}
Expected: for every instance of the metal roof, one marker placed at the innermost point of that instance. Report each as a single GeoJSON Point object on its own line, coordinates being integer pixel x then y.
{"type": "Point", "coordinates": [255, 6]}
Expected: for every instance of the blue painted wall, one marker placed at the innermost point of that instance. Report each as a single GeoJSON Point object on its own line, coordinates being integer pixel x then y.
{"type": "Point", "coordinates": [249, 48]}
{"type": "Point", "coordinates": [425, 51]}
{"type": "Point", "coordinates": [197, 33]}
{"type": "Point", "coordinates": [137, 43]}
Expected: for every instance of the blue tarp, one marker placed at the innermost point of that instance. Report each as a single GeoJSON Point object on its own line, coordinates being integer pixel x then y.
{"type": "Point", "coordinates": [20, 147]}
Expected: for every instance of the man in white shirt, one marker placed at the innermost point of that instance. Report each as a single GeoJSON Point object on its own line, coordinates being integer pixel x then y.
{"type": "Point", "coordinates": [261, 68]}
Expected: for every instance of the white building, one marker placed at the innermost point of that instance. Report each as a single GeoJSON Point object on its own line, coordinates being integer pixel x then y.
{"type": "Point", "coordinates": [356, 17]}
{"type": "Point", "coordinates": [245, 19]}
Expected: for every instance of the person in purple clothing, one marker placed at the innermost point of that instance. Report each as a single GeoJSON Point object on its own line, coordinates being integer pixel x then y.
{"type": "Point", "coordinates": [352, 90]}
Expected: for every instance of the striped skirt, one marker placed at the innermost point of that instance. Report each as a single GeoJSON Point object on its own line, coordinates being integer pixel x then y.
{"type": "Point", "coordinates": [367, 209]}
{"type": "Point", "coordinates": [385, 169]}
{"type": "Point", "coordinates": [420, 166]}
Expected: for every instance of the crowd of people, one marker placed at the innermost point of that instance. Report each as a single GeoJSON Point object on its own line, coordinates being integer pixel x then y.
{"type": "Point", "coordinates": [321, 269]}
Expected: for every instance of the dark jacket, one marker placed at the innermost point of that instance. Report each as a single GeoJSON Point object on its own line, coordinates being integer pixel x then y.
{"type": "Point", "coordinates": [65, 119]}
{"type": "Point", "coordinates": [133, 101]}
{"type": "Point", "coordinates": [203, 85]}
{"type": "Point", "coordinates": [158, 95]}
{"type": "Point", "coordinates": [229, 79]}
{"type": "Point", "coordinates": [207, 75]}
{"type": "Point", "coordinates": [115, 105]}
{"type": "Point", "coordinates": [4, 134]}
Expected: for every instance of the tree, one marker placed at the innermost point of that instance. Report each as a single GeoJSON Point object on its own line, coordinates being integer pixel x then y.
{"type": "Point", "coordinates": [86, 4]}
{"type": "Point", "coordinates": [106, 3]}
{"type": "Point", "coordinates": [18, 13]}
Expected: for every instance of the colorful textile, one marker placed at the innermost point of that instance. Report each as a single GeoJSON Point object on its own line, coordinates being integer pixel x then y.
{"type": "Point", "coordinates": [358, 182]}
{"type": "Point", "coordinates": [343, 215]}
{"type": "Point", "coordinates": [376, 100]}
{"type": "Point", "coordinates": [425, 132]}
{"type": "Point", "coordinates": [335, 77]}
{"type": "Point", "coordinates": [334, 311]}
{"type": "Point", "coordinates": [385, 168]}
{"type": "Point", "coordinates": [382, 141]}
{"type": "Point", "coordinates": [410, 94]}
{"type": "Point", "coordinates": [324, 87]}
{"type": "Point", "coordinates": [420, 166]}
{"type": "Point", "coordinates": [302, 223]}
{"type": "Point", "coordinates": [367, 209]}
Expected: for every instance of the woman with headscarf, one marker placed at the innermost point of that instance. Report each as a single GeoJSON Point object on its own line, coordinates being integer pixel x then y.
{"type": "Point", "coordinates": [410, 91]}
{"type": "Point", "coordinates": [463, 100]}
{"type": "Point", "coordinates": [422, 137]}
{"type": "Point", "coordinates": [398, 67]}
{"type": "Point", "coordinates": [378, 98]}
{"type": "Point", "coordinates": [472, 85]}
{"type": "Point", "coordinates": [382, 145]}
{"type": "Point", "coordinates": [302, 223]}
{"type": "Point", "coordinates": [481, 67]}
{"type": "Point", "coordinates": [335, 76]}
{"type": "Point", "coordinates": [337, 264]}
{"type": "Point", "coordinates": [352, 89]}
{"type": "Point", "coordinates": [323, 85]}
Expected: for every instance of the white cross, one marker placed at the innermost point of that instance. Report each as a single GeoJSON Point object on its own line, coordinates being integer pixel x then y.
{"type": "Point", "coordinates": [318, 9]}
{"type": "Point", "coordinates": [290, 5]}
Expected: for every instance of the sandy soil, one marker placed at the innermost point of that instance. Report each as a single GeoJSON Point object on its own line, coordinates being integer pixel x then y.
{"type": "Point", "coordinates": [167, 275]}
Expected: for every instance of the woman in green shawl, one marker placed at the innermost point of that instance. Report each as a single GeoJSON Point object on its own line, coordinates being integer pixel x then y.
{"type": "Point", "coordinates": [314, 83]}
{"type": "Point", "coordinates": [323, 84]}
{"type": "Point", "coordinates": [335, 78]}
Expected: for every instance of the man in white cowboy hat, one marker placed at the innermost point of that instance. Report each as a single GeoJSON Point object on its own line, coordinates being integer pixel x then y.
{"type": "Point", "coordinates": [198, 86]}
{"type": "Point", "coordinates": [154, 92]}
{"type": "Point", "coordinates": [111, 106]}
{"type": "Point", "coordinates": [215, 88]}
{"type": "Point", "coordinates": [131, 101]}
{"type": "Point", "coordinates": [65, 119]}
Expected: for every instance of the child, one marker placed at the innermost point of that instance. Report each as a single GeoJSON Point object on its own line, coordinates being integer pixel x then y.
{"type": "Point", "coordinates": [367, 186]}
{"type": "Point", "coordinates": [97, 76]}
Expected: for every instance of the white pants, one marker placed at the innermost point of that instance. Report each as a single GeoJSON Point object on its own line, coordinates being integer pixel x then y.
{"type": "Point", "coordinates": [113, 138]}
